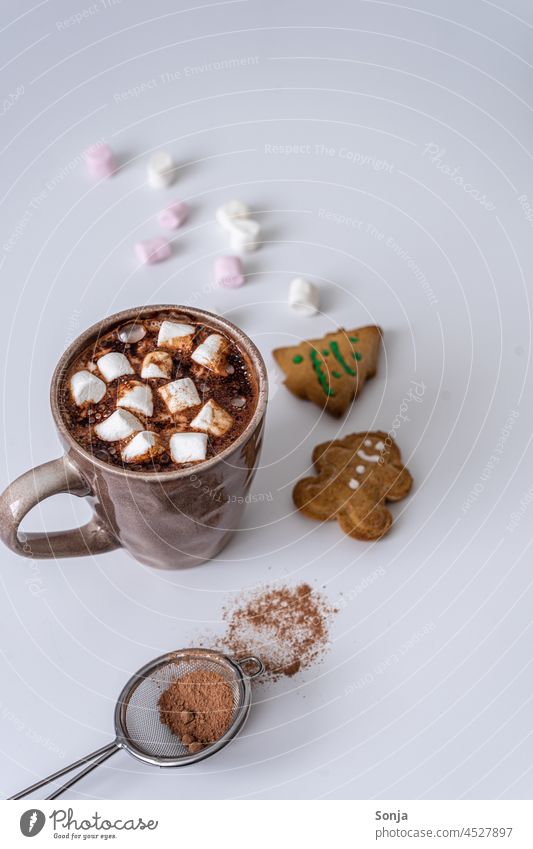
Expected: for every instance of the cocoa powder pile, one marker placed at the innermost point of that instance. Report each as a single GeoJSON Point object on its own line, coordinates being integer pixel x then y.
{"type": "Point", "coordinates": [198, 708]}
{"type": "Point", "coordinates": [287, 627]}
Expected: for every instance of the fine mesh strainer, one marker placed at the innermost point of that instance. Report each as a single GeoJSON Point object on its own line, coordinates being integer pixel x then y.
{"type": "Point", "coordinates": [138, 727]}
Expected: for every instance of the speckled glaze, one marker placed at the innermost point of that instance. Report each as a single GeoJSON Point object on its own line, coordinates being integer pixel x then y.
{"type": "Point", "coordinates": [168, 520]}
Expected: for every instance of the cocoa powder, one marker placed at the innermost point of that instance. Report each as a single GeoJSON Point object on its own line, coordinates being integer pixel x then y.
{"type": "Point", "coordinates": [198, 708]}
{"type": "Point", "coordinates": [287, 627]}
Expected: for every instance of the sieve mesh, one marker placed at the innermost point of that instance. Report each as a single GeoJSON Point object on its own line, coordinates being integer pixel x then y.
{"type": "Point", "coordinates": [139, 717]}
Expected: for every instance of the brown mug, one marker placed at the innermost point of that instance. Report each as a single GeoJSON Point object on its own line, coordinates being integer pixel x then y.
{"type": "Point", "coordinates": [168, 519]}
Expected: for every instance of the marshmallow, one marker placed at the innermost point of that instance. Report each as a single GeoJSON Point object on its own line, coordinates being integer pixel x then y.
{"type": "Point", "coordinates": [114, 365]}
{"type": "Point", "coordinates": [143, 446]}
{"type": "Point", "coordinates": [132, 333]}
{"type": "Point", "coordinates": [244, 234]}
{"type": "Point", "coordinates": [228, 272]}
{"type": "Point", "coordinates": [161, 170]}
{"type": "Point", "coordinates": [157, 364]}
{"type": "Point", "coordinates": [150, 251]}
{"type": "Point", "coordinates": [176, 336]}
{"type": "Point", "coordinates": [86, 388]}
{"type": "Point", "coordinates": [229, 211]}
{"type": "Point", "coordinates": [173, 215]}
{"type": "Point", "coordinates": [303, 296]}
{"type": "Point", "coordinates": [212, 354]}
{"type": "Point", "coordinates": [188, 447]}
{"type": "Point", "coordinates": [213, 419]}
{"type": "Point", "coordinates": [119, 425]}
{"type": "Point", "coordinates": [136, 396]}
{"type": "Point", "coordinates": [179, 395]}
{"type": "Point", "coordinates": [99, 161]}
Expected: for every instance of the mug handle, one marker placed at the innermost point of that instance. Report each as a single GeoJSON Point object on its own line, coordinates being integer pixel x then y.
{"type": "Point", "coordinates": [27, 491]}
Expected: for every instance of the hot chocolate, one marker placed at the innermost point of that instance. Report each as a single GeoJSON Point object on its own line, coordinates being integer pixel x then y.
{"type": "Point", "coordinates": [159, 394]}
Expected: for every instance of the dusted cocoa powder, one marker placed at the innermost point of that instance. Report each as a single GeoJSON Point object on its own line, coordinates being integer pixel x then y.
{"type": "Point", "coordinates": [198, 708]}
{"type": "Point", "coordinates": [287, 627]}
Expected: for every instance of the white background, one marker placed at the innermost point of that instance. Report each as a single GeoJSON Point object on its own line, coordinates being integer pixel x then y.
{"type": "Point", "coordinates": [426, 691]}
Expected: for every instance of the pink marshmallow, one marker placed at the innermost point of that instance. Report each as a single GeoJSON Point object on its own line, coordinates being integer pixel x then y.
{"type": "Point", "coordinates": [152, 250]}
{"type": "Point", "coordinates": [228, 272]}
{"type": "Point", "coordinates": [100, 161]}
{"type": "Point", "coordinates": [173, 216]}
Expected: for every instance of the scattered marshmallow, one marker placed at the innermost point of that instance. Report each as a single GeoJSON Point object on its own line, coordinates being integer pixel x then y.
{"type": "Point", "coordinates": [150, 251]}
{"type": "Point", "coordinates": [143, 446]}
{"type": "Point", "coordinates": [228, 272]}
{"type": "Point", "coordinates": [188, 447]}
{"type": "Point", "coordinates": [179, 395]}
{"type": "Point", "coordinates": [229, 211]}
{"type": "Point", "coordinates": [304, 296]}
{"type": "Point", "coordinates": [114, 365]}
{"type": "Point", "coordinates": [173, 215]}
{"type": "Point", "coordinates": [213, 419]}
{"type": "Point", "coordinates": [157, 364]}
{"type": "Point", "coordinates": [119, 425]}
{"type": "Point", "coordinates": [86, 388]}
{"type": "Point", "coordinates": [136, 396]}
{"type": "Point", "coordinates": [161, 170]}
{"type": "Point", "coordinates": [176, 336]}
{"type": "Point", "coordinates": [244, 234]}
{"type": "Point", "coordinates": [212, 354]}
{"type": "Point", "coordinates": [100, 161]}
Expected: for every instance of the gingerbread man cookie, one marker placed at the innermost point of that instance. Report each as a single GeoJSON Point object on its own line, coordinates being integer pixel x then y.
{"type": "Point", "coordinates": [356, 476]}
{"type": "Point", "coordinates": [331, 371]}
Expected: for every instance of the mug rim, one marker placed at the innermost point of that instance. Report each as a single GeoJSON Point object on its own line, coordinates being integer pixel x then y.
{"type": "Point", "coordinates": [102, 326]}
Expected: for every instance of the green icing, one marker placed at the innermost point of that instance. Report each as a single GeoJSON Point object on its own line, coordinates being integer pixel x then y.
{"type": "Point", "coordinates": [297, 359]}
{"type": "Point", "coordinates": [356, 355]}
{"type": "Point", "coordinates": [353, 339]}
{"type": "Point", "coordinates": [322, 377]}
{"type": "Point", "coordinates": [336, 374]}
{"type": "Point", "coordinates": [338, 356]}
{"type": "Point", "coordinates": [326, 352]}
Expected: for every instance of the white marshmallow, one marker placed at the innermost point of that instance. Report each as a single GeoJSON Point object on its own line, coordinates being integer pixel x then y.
{"type": "Point", "coordinates": [304, 296]}
{"type": "Point", "coordinates": [188, 447]}
{"type": "Point", "coordinates": [157, 364]}
{"type": "Point", "coordinates": [244, 234]}
{"type": "Point", "coordinates": [161, 170]}
{"type": "Point", "coordinates": [86, 388]}
{"type": "Point", "coordinates": [229, 211]}
{"type": "Point", "coordinates": [212, 354]}
{"type": "Point", "coordinates": [174, 335]}
{"type": "Point", "coordinates": [114, 365]}
{"type": "Point", "coordinates": [213, 419]}
{"type": "Point", "coordinates": [119, 425]}
{"type": "Point", "coordinates": [143, 446]}
{"type": "Point", "coordinates": [136, 396]}
{"type": "Point", "coordinates": [179, 395]}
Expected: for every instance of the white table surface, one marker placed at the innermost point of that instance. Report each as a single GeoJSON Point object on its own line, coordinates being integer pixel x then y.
{"type": "Point", "coordinates": [405, 126]}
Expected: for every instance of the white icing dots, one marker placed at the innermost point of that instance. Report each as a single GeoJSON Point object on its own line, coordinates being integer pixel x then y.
{"type": "Point", "coordinates": [359, 469]}
{"type": "Point", "coordinates": [380, 446]}
{"type": "Point", "coordinates": [368, 443]}
{"type": "Point", "coordinates": [353, 484]}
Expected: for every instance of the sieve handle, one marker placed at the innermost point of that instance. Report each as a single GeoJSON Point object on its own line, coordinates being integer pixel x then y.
{"type": "Point", "coordinates": [251, 659]}
{"type": "Point", "coordinates": [94, 759]}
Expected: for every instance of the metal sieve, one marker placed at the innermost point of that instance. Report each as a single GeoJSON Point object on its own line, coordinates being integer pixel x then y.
{"type": "Point", "coordinates": [138, 727]}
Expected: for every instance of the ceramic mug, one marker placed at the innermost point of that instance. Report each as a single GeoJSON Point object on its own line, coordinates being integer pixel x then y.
{"type": "Point", "coordinates": [168, 519]}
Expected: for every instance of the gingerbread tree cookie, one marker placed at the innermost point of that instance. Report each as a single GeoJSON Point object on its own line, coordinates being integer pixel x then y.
{"type": "Point", "coordinates": [356, 476]}
{"type": "Point", "coordinates": [331, 371]}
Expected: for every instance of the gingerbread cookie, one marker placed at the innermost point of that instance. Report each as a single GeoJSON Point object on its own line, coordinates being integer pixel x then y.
{"type": "Point", "coordinates": [331, 371]}
{"type": "Point", "coordinates": [356, 475]}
